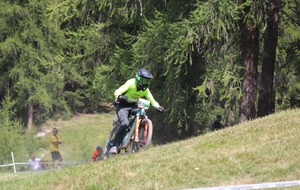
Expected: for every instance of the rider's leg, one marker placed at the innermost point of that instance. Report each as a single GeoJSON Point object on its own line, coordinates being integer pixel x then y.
{"type": "Point", "coordinates": [122, 113]}
{"type": "Point", "coordinates": [119, 134]}
{"type": "Point", "coordinates": [117, 140]}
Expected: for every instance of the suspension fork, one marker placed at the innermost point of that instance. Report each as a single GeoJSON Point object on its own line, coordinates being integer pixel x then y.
{"type": "Point", "coordinates": [136, 130]}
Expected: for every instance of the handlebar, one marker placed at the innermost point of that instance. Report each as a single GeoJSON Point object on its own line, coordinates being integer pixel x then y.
{"type": "Point", "coordinates": [141, 103]}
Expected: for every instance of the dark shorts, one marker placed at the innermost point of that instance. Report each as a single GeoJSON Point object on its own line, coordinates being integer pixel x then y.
{"type": "Point", "coordinates": [55, 155]}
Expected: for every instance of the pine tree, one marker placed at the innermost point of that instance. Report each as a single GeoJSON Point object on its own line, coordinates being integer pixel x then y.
{"type": "Point", "coordinates": [31, 48]}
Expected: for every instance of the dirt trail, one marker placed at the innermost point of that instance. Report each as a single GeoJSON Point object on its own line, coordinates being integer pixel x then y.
{"type": "Point", "coordinates": [43, 133]}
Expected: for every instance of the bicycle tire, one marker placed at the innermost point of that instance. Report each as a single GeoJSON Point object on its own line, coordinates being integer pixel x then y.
{"type": "Point", "coordinates": [144, 142]}
{"type": "Point", "coordinates": [110, 137]}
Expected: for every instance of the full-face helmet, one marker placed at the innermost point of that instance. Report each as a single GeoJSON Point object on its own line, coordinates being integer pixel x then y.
{"type": "Point", "coordinates": [143, 79]}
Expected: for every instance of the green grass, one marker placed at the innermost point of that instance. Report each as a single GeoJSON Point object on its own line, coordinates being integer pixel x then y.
{"type": "Point", "coordinates": [262, 150]}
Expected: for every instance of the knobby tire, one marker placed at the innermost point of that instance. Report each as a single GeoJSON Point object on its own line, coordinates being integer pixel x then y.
{"type": "Point", "coordinates": [110, 137]}
{"type": "Point", "coordinates": [144, 142]}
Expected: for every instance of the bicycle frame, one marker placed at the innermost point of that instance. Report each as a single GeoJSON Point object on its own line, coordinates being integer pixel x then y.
{"type": "Point", "coordinates": [137, 118]}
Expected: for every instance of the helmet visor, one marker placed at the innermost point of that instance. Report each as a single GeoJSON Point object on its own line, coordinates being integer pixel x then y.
{"type": "Point", "coordinates": [145, 81]}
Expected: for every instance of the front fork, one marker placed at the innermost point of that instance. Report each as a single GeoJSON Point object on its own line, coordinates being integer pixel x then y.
{"type": "Point", "coordinates": [137, 128]}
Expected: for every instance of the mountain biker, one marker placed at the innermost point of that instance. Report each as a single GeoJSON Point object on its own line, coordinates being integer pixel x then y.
{"type": "Point", "coordinates": [132, 89]}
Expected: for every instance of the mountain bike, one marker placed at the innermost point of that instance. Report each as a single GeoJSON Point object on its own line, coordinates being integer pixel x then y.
{"type": "Point", "coordinates": [138, 135]}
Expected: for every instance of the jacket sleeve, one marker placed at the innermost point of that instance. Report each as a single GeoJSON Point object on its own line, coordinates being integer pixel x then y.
{"type": "Point", "coordinates": [151, 99]}
{"type": "Point", "coordinates": [122, 89]}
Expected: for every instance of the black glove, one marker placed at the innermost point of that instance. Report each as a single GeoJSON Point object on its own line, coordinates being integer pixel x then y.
{"type": "Point", "coordinates": [123, 99]}
{"type": "Point", "coordinates": [160, 109]}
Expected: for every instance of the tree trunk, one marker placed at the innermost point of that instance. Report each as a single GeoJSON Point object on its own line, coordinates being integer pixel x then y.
{"type": "Point", "coordinates": [250, 51]}
{"type": "Point", "coordinates": [266, 102]}
{"type": "Point", "coordinates": [30, 116]}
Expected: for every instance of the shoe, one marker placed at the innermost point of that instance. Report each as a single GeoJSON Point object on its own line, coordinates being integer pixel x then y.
{"type": "Point", "coordinates": [142, 144]}
{"type": "Point", "coordinates": [59, 168]}
{"type": "Point", "coordinates": [113, 150]}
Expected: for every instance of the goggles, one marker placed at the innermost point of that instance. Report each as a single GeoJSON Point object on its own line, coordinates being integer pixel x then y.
{"type": "Point", "coordinates": [144, 81]}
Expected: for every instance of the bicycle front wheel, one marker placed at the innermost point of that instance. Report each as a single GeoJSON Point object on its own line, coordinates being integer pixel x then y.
{"type": "Point", "coordinates": [144, 136]}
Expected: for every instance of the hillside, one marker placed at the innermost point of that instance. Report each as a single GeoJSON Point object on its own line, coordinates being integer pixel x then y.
{"type": "Point", "coordinates": [262, 150]}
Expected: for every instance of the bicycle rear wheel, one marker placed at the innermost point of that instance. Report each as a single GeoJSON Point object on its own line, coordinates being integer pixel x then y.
{"type": "Point", "coordinates": [109, 141]}
{"type": "Point", "coordinates": [145, 136]}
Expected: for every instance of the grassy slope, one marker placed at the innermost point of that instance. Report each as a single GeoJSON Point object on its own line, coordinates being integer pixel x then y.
{"type": "Point", "coordinates": [263, 150]}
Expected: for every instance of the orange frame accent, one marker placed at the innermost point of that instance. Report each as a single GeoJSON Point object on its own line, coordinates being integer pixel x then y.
{"type": "Point", "coordinates": [136, 130]}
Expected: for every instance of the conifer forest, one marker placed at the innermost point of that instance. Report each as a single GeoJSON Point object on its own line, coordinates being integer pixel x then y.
{"type": "Point", "coordinates": [236, 58]}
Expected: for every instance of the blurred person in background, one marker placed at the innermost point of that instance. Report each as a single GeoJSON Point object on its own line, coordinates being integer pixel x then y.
{"type": "Point", "coordinates": [33, 163]}
{"type": "Point", "coordinates": [96, 156]}
{"type": "Point", "coordinates": [54, 149]}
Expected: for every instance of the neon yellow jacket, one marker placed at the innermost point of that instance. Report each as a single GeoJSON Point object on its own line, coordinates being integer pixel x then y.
{"type": "Point", "coordinates": [129, 89]}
